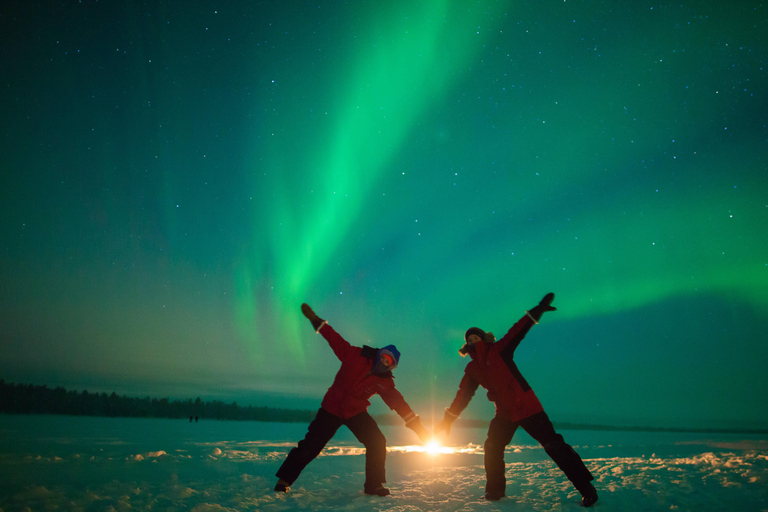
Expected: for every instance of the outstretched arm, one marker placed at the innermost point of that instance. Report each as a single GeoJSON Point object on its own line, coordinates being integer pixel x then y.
{"type": "Point", "coordinates": [395, 401]}
{"type": "Point", "coordinates": [509, 342]}
{"type": "Point", "coordinates": [467, 388]}
{"type": "Point", "coordinates": [339, 345]}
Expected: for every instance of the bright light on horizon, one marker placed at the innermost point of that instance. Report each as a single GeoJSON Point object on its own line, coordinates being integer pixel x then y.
{"type": "Point", "coordinates": [432, 448]}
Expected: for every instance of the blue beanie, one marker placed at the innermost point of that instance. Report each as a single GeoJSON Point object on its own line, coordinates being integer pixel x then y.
{"type": "Point", "coordinates": [390, 350]}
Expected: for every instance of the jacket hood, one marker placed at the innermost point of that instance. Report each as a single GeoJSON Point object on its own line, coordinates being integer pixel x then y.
{"type": "Point", "coordinates": [392, 351]}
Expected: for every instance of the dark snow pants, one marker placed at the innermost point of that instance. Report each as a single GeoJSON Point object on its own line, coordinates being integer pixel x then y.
{"type": "Point", "coordinates": [539, 427]}
{"type": "Point", "coordinates": [322, 429]}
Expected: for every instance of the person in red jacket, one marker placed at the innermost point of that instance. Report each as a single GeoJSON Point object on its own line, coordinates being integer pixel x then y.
{"type": "Point", "coordinates": [492, 366]}
{"type": "Point", "coordinates": [364, 372]}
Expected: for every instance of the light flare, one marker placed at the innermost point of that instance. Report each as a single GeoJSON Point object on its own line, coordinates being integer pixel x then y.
{"type": "Point", "coordinates": [435, 448]}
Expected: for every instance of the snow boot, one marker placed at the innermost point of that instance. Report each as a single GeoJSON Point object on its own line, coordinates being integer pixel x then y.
{"type": "Point", "coordinates": [282, 486]}
{"type": "Point", "coordinates": [494, 495]}
{"type": "Point", "coordinates": [588, 495]}
{"type": "Point", "coordinates": [377, 490]}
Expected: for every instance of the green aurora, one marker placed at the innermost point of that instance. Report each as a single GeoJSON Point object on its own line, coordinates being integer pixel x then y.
{"type": "Point", "coordinates": [178, 178]}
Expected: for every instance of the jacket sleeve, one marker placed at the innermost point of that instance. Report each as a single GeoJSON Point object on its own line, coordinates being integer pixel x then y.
{"type": "Point", "coordinates": [516, 333]}
{"type": "Point", "coordinates": [397, 403]}
{"type": "Point", "coordinates": [339, 345]}
{"type": "Point", "coordinates": [467, 388]}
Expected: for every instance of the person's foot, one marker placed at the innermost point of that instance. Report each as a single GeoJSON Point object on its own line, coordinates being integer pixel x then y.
{"type": "Point", "coordinates": [377, 491]}
{"type": "Point", "coordinates": [282, 486]}
{"type": "Point", "coordinates": [588, 496]}
{"type": "Point", "coordinates": [494, 495]}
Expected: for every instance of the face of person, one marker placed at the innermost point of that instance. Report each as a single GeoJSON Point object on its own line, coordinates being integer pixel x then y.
{"type": "Point", "coordinates": [387, 361]}
{"type": "Point", "coordinates": [473, 338]}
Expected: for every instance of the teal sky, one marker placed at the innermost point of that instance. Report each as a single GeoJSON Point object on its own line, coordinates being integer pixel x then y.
{"type": "Point", "coordinates": [178, 177]}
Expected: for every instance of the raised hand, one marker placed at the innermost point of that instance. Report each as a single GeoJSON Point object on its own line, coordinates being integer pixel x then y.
{"type": "Point", "coordinates": [307, 311]}
{"type": "Point", "coordinates": [543, 306]}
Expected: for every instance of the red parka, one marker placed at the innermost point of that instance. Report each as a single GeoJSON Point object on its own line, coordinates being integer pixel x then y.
{"type": "Point", "coordinates": [355, 384]}
{"type": "Point", "coordinates": [493, 367]}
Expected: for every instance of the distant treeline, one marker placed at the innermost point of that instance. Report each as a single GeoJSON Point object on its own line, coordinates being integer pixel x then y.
{"type": "Point", "coordinates": [32, 399]}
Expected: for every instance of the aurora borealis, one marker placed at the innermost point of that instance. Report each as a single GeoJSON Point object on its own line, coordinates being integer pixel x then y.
{"type": "Point", "coordinates": [178, 177]}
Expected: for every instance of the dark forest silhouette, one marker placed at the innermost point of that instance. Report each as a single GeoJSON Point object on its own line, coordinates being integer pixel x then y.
{"type": "Point", "coordinates": [32, 399]}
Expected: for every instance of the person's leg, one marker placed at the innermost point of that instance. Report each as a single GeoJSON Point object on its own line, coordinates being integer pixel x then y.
{"type": "Point", "coordinates": [365, 429]}
{"type": "Point", "coordinates": [540, 428]}
{"type": "Point", "coordinates": [500, 433]}
{"type": "Point", "coordinates": [319, 432]}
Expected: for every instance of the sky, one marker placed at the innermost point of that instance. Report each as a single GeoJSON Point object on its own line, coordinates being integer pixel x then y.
{"type": "Point", "coordinates": [178, 177]}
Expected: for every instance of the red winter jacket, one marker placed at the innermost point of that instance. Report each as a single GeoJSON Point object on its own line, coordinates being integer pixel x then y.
{"type": "Point", "coordinates": [492, 367]}
{"type": "Point", "coordinates": [355, 384]}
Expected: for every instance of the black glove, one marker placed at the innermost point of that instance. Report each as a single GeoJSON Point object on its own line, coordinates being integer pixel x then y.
{"type": "Point", "coordinates": [316, 320]}
{"type": "Point", "coordinates": [416, 426]}
{"type": "Point", "coordinates": [542, 307]}
{"type": "Point", "coordinates": [445, 423]}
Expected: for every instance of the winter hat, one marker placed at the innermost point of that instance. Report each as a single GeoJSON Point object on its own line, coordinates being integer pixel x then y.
{"type": "Point", "coordinates": [391, 350]}
{"type": "Point", "coordinates": [474, 330]}
{"type": "Point", "coordinates": [391, 353]}
{"type": "Point", "coordinates": [484, 336]}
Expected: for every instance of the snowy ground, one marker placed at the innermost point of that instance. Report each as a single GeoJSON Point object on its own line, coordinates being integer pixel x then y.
{"type": "Point", "coordinates": [101, 464]}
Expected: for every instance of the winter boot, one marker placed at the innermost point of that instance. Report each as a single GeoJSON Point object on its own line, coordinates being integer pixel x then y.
{"type": "Point", "coordinates": [588, 495]}
{"type": "Point", "coordinates": [376, 490]}
{"type": "Point", "coordinates": [282, 486]}
{"type": "Point", "coordinates": [494, 495]}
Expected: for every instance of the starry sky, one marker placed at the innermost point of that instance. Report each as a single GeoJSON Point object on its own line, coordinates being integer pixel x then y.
{"type": "Point", "coordinates": [178, 177]}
